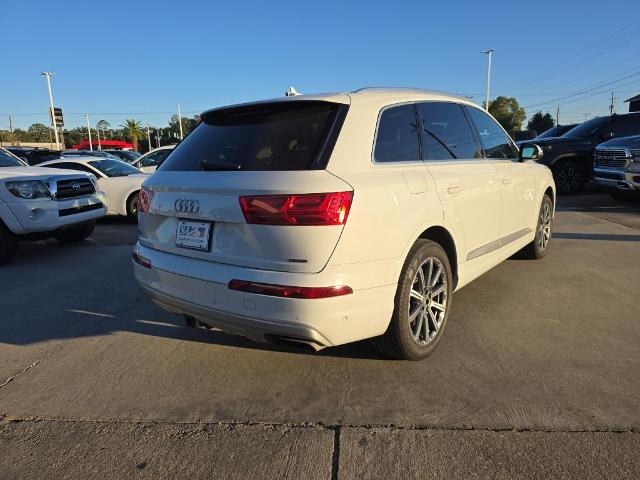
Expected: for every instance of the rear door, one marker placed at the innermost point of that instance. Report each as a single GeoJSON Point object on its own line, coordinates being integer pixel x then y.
{"type": "Point", "coordinates": [467, 184]}
{"type": "Point", "coordinates": [252, 178]}
{"type": "Point", "coordinates": [517, 180]}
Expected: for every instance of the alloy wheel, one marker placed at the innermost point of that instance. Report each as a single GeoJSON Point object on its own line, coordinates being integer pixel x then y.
{"type": "Point", "coordinates": [569, 178]}
{"type": "Point", "coordinates": [428, 301]}
{"type": "Point", "coordinates": [544, 227]}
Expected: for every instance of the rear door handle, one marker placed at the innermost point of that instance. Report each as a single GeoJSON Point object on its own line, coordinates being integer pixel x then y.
{"type": "Point", "coordinates": [506, 181]}
{"type": "Point", "coordinates": [454, 189]}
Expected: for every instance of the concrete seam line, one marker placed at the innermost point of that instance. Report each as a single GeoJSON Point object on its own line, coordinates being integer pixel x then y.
{"type": "Point", "coordinates": [27, 368]}
{"type": "Point", "coordinates": [335, 455]}
{"type": "Point", "coordinates": [7, 418]}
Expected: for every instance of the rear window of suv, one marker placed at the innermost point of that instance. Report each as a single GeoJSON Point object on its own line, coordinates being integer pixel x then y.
{"type": "Point", "coordinates": [293, 135]}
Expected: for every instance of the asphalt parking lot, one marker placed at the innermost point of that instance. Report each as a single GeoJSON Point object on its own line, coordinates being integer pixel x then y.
{"type": "Point", "coordinates": [537, 375]}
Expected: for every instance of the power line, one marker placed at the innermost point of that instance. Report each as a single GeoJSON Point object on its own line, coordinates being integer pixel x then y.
{"type": "Point", "coordinates": [554, 70]}
{"type": "Point", "coordinates": [576, 94]}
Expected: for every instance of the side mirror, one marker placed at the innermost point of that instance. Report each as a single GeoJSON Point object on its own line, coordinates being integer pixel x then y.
{"type": "Point", "coordinates": [530, 151]}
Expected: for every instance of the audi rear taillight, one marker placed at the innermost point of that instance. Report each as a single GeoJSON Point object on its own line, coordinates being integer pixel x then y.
{"type": "Point", "coordinates": [306, 293]}
{"type": "Point", "coordinates": [144, 200]}
{"type": "Point", "coordinates": [305, 209]}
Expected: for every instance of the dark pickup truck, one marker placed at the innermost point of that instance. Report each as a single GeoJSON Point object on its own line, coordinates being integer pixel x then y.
{"type": "Point", "coordinates": [570, 157]}
{"type": "Point", "coordinates": [617, 166]}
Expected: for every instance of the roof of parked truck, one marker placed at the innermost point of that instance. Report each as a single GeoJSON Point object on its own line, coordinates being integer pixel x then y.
{"type": "Point", "coordinates": [388, 95]}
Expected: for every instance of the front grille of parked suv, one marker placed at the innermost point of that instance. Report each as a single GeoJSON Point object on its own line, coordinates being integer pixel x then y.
{"type": "Point", "coordinates": [610, 158]}
{"type": "Point", "coordinates": [74, 187]}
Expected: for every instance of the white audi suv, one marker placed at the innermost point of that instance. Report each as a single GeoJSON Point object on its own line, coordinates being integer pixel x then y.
{"type": "Point", "coordinates": [320, 220]}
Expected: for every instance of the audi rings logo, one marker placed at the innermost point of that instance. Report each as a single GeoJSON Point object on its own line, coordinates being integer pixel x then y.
{"type": "Point", "coordinates": [184, 205]}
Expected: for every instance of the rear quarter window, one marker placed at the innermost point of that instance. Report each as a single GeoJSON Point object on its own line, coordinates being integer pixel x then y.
{"type": "Point", "coordinates": [293, 135]}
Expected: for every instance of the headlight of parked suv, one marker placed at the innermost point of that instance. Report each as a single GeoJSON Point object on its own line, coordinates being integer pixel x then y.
{"type": "Point", "coordinates": [28, 189]}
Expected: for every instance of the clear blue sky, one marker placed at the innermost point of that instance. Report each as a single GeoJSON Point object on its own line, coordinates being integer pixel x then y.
{"type": "Point", "coordinates": [140, 58]}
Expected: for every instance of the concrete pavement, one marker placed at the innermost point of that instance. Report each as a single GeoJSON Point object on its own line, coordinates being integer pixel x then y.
{"type": "Point", "coordinates": [539, 349]}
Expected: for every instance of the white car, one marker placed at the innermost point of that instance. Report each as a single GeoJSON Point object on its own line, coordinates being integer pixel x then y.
{"type": "Point", "coordinates": [119, 181]}
{"type": "Point", "coordinates": [325, 219]}
{"type": "Point", "coordinates": [150, 161]}
{"type": "Point", "coordinates": [38, 203]}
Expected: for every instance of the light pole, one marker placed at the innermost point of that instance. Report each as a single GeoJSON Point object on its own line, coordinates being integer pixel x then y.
{"type": "Point", "coordinates": [180, 121]}
{"type": "Point", "coordinates": [490, 54]}
{"type": "Point", "coordinates": [53, 120]}
{"type": "Point", "coordinates": [98, 132]}
{"type": "Point", "coordinates": [89, 130]}
{"type": "Point", "coordinates": [148, 137]}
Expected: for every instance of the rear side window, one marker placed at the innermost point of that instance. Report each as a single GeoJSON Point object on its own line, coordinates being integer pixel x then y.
{"type": "Point", "coordinates": [495, 142]}
{"type": "Point", "coordinates": [289, 135]}
{"type": "Point", "coordinates": [397, 136]}
{"type": "Point", "coordinates": [446, 132]}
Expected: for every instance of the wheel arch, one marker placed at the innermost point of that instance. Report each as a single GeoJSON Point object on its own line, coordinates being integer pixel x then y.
{"type": "Point", "coordinates": [443, 237]}
{"type": "Point", "coordinates": [579, 157]}
{"type": "Point", "coordinates": [133, 192]}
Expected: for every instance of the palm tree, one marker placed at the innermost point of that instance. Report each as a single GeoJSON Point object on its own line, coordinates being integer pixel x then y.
{"type": "Point", "coordinates": [133, 131]}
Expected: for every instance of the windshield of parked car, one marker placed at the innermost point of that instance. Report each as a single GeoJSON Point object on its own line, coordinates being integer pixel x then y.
{"type": "Point", "coordinates": [553, 132]}
{"type": "Point", "coordinates": [126, 155]}
{"type": "Point", "coordinates": [114, 168]}
{"type": "Point", "coordinates": [587, 128]}
{"type": "Point", "coordinates": [8, 160]}
{"type": "Point", "coordinates": [264, 137]}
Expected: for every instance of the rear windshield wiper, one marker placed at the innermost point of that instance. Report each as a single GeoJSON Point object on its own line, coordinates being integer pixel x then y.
{"type": "Point", "coordinates": [210, 165]}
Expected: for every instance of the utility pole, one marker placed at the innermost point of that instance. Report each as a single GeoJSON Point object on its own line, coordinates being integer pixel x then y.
{"type": "Point", "coordinates": [148, 137]}
{"type": "Point", "coordinates": [558, 115]}
{"type": "Point", "coordinates": [53, 121]}
{"type": "Point", "coordinates": [11, 129]}
{"type": "Point", "coordinates": [180, 122]}
{"type": "Point", "coordinates": [89, 130]}
{"type": "Point", "coordinates": [612, 106]}
{"type": "Point", "coordinates": [490, 54]}
{"type": "Point", "coordinates": [98, 132]}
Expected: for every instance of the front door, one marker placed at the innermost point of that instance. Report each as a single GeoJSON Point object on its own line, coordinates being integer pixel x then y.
{"type": "Point", "coordinates": [467, 184]}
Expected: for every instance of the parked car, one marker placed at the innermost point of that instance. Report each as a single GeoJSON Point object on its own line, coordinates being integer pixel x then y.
{"type": "Point", "coordinates": [570, 156]}
{"type": "Point", "coordinates": [88, 153]}
{"type": "Point", "coordinates": [128, 156]}
{"type": "Point", "coordinates": [34, 155]}
{"type": "Point", "coordinates": [325, 219]}
{"type": "Point", "coordinates": [38, 203]}
{"type": "Point", "coordinates": [556, 131]}
{"type": "Point", "coordinates": [617, 166]}
{"type": "Point", "coordinates": [150, 161]}
{"type": "Point", "coordinates": [522, 135]}
{"type": "Point", "coordinates": [119, 181]}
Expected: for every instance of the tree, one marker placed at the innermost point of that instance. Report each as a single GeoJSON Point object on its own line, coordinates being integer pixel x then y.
{"type": "Point", "coordinates": [508, 112]}
{"type": "Point", "coordinates": [38, 132]}
{"type": "Point", "coordinates": [188, 124]}
{"type": "Point", "coordinates": [541, 123]}
{"type": "Point", "coordinates": [103, 125]}
{"type": "Point", "coordinates": [133, 131]}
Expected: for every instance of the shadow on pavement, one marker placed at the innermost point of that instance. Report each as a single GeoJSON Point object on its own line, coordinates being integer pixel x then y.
{"type": "Point", "coordinates": [598, 236]}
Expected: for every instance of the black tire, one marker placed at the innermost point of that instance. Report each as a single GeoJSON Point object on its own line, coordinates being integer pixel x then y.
{"type": "Point", "coordinates": [539, 247]}
{"type": "Point", "coordinates": [399, 340]}
{"type": "Point", "coordinates": [77, 233]}
{"type": "Point", "coordinates": [570, 177]}
{"type": "Point", "coordinates": [8, 244]}
{"type": "Point", "coordinates": [132, 205]}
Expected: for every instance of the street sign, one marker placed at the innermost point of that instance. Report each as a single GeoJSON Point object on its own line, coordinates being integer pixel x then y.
{"type": "Point", "coordinates": [57, 117]}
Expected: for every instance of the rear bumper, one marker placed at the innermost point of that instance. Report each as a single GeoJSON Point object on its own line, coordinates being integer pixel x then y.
{"type": "Point", "coordinates": [173, 283]}
{"type": "Point", "coordinates": [617, 179]}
